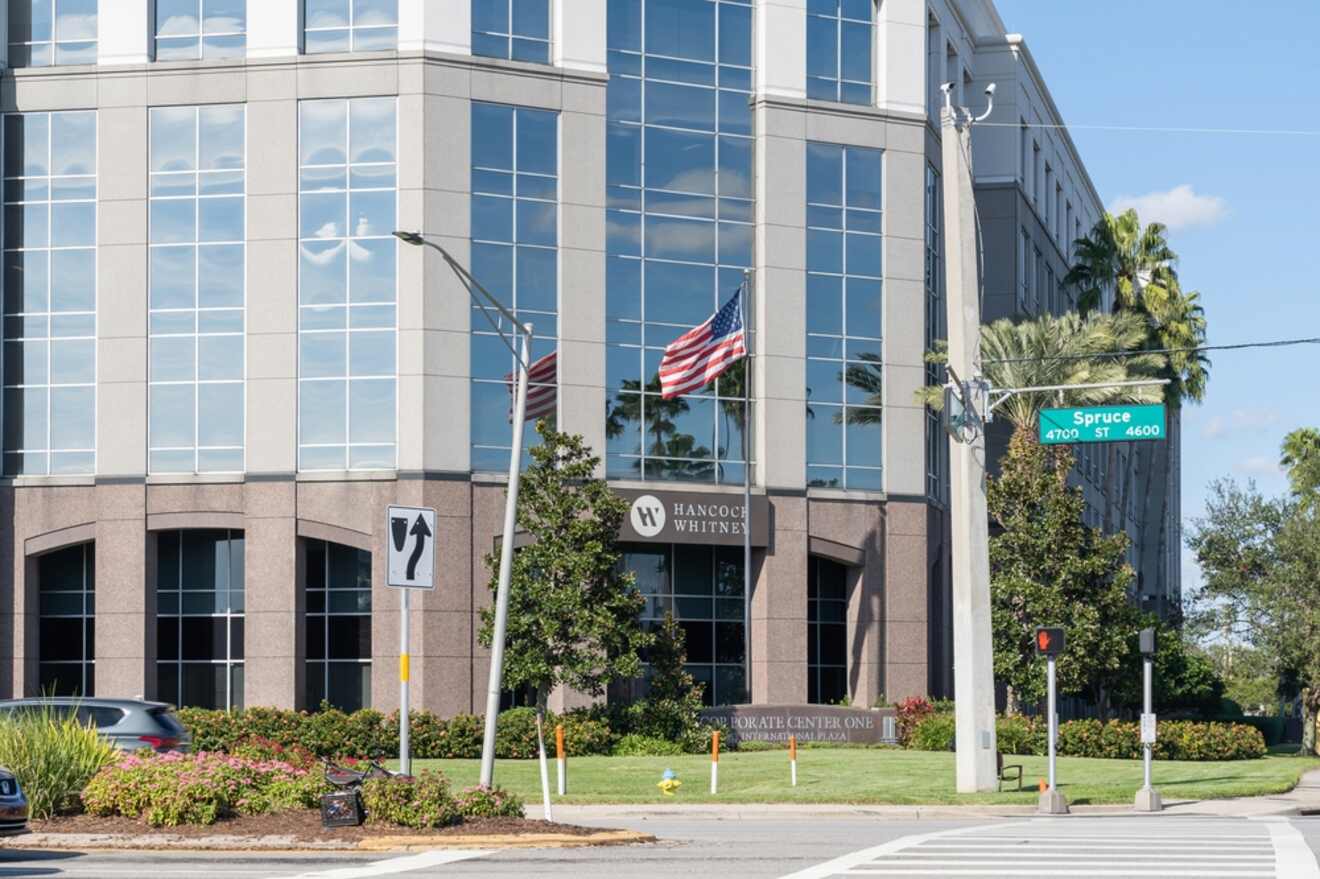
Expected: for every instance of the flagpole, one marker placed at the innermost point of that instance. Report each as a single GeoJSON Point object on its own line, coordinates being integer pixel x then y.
{"type": "Point", "coordinates": [747, 487]}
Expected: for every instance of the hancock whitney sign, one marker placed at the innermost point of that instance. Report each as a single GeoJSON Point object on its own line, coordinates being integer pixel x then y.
{"type": "Point", "coordinates": [692, 517]}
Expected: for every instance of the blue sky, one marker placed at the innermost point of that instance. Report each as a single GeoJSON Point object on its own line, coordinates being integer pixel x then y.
{"type": "Point", "coordinates": [1242, 207]}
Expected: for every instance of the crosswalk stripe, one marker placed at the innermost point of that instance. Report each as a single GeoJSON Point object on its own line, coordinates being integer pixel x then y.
{"type": "Point", "coordinates": [1292, 856]}
{"type": "Point", "coordinates": [1028, 871]}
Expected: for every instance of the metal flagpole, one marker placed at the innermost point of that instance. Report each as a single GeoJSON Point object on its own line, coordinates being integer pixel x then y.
{"type": "Point", "coordinates": [747, 485]}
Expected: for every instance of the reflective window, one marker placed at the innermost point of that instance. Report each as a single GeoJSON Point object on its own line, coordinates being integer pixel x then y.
{"type": "Point", "coordinates": [840, 35]}
{"type": "Point", "coordinates": [199, 618]}
{"type": "Point", "coordinates": [338, 617]}
{"type": "Point", "coordinates": [350, 25]}
{"type": "Point", "coordinates": [47, 32]}
{"type": "Point", "coordinates": [200, 29]}
{"type": "Point", "coordinates": [844, 317]}
{"type": "Point", "coordinates": [66, 626]}
{"type": "Point", "coordinates": [827, 631]}
{"type": "Point", "coordinates": [679, 227]}
{"type": "Point", "coordinates": [346, 284]}
{"type": "Point", "coordinates": [196, 280]}
{"type": "Point", "coordinates": [702, 586]}
{"type": "Point", "coordinates": [515, 201]}
{"type": "Point", "coordinates": [50, 293]}
{"type": "Point", "coordinates": [514, 29]}
{"type": "Point", "coordinates": [937, 444]}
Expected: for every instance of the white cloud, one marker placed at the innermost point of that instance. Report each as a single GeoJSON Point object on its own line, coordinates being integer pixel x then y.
{"type": "Point", "coordinates": [1177, 208]}
{"type": "Point", "coordinates": [1240, 421]}
{"type": "Point", "coordinates": [1260, 465]}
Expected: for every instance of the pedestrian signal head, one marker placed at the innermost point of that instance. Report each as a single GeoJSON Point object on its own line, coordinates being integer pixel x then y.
{"type": "Point", "coordinates": [1049, 641]}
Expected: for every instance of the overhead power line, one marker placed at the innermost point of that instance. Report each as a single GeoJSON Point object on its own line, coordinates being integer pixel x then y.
{"type": "Point", "coordinates": [1278, 343]}
{"type": "Point", "coordinates": [1160, 129]}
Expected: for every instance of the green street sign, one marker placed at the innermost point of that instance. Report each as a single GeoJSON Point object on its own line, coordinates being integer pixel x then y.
{"type": "Point", "coordinates": [1102, 424]}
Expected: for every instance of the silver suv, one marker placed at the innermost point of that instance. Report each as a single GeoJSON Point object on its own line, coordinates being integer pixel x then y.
{"type": "Point", "coordinates": [128, 724]}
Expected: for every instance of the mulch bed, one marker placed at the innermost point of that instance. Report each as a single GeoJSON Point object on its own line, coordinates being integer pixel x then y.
{"type": "Point", "coordinates": [304, 826]}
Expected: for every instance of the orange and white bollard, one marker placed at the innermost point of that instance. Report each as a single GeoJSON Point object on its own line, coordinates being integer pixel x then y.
{"type": "Point", "coordinates": [792, 760]}
{"type": "Point", "coordinates": [561, 761]}
{"type": "Point", "coordinates": [715, 762]}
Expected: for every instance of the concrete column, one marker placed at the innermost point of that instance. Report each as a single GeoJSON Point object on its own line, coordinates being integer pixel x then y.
{"type": "Point", "coordinates": [905, 600]}
{"type": "Point", "coordinates": [577, 34]}
{"type": "Point", "coordinates": [780, 48]}
{"type": "Point", "coordinates": [274, 30]}
{"type": "Point", "coordinates": [435, 26]}
{"type": "Point", "coordinates": [124, 33]}
{"type": "Point", "coordinates": [900, 85]}
{"type": "Point", "coordinates": [125, 602]}
{"type": "Point", "coordinates": [275, 646]}
{"type": "Point", "coordinates": [778, 639]}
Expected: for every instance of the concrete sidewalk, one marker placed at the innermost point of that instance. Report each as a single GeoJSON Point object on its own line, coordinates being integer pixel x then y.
{"type": "Point", "coordinates": [1303, 799]}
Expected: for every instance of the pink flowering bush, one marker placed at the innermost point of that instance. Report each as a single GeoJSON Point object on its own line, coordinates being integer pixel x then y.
{"type": "Point", "coordinates": [175, 788]}
{"type": "Point", "coordinates": [480, 801]}
{"type": "Point", "coordinates": [418, 801]}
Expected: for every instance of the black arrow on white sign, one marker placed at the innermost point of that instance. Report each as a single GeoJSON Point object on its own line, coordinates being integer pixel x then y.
{"type": "Point", "coordinates": [421, 531]}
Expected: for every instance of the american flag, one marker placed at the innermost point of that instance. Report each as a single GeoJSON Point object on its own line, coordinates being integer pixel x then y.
{"type": "Point", "coordinates": [699, 356]}
{"type": "Point", "coordinates": [542, 387]}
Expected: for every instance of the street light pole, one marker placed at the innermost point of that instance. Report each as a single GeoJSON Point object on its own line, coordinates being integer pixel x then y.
{"type": "Point", "coordinates": [523, 358]}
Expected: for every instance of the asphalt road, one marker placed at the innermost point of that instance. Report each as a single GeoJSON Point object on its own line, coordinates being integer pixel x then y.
{"type": "Point", "coordinates": [815, 848]}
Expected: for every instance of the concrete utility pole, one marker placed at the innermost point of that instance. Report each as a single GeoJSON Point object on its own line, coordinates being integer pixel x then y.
{"type": "Point", "coordinates": [973, 652]}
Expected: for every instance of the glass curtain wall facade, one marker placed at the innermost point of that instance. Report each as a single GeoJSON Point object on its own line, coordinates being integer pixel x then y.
{"type": "Point", "coordinates": [197, 289]}
{"type": "Point", "coordinates": [840, 34]}
{"type": "Point", "coordinates": [66, 628]}
{"type": "Point", "coordinates": [518, 30]}
{"type": "Point", "coordinates": [50, 293]}
{"type": "Point", "coordinates": [515, 238]}
{"type": "Point", "coordinates": [679, 227]}
{"type": "Point", "coordinates": [350, 25]}
{"type": "Point", "coordinates": [337, 580]}
{"type": "Point", "coordinates": [827, 631]}
{"type": "Point", "coordinates": [200, 29]}
{"type": "Point", "coordinates": [347, 324]}
{"type": "Point", "coordinates": [937, 446]}
{"type": "Point", "coordinates": [43, 33]}
{"type": "Point", "coordinates": [702, 586]}
{"type": "Point", "coordinates": [199, 618]}
{"type": "Point", "coordinates": [844, 317]}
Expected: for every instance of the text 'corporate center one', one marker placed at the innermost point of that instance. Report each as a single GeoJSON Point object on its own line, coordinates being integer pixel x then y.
{"type": "Point", "coordinates": [220, 365]}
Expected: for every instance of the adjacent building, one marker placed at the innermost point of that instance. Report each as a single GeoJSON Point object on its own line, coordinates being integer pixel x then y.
{"type": "Point", "coordinates": [220, 366]}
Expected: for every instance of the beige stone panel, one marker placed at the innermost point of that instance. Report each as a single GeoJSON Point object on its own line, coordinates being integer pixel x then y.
{"type": "Point", "coordinates": [906, 519]}
{"type": "Point", "coordinates": [358, 505]}
{"type": "Point", "coordinates": [446, 79]}
{"type": "Point", "coordinates": [269, 500]}
{"type": "Point", "coordinates": [905, 326]}
{"type": "Point", "coordinates": [121, 222]}
{"type": "Point", "coordinates": [850, 522]}
{"type": "Point", "coordinates": [272, 440]}
{"type": "Point", "coordinates": [849, 129]}
{"type": "Point", "coordinates": [780, 682]}
{"type": "Point", "coordinates": [412, 136]}
{"type": "Point", "coordinates": [121, 429]}
{"type": "Point", "coordinates": [272, 300]}
{"type": "Point", "coordinates": [121, 89]}
{"type": "Point", "coordinates": [195, 498]}
{"type": "Point", "coordinates": [124, 617]}
{"type": "Point", "coordinates": [905, 643]}
{"type": "Point", "coordinates": [272, 356]}
{"type": "Point", "coordinates": [905, 448]}
{"type": "Point", "coordinates": [353, 79]}
{"type": "Point", "coordinates": [448, 159]}
{"type": "Point", "coordinates": [272, 133]}
{"type": "Point", "coordinates": [583, 97]}
{"type": "Point", "coordinates": [274, 640]}
{"type": "Point", "coordinates": [518, 88]}
{"type": "Point", "coordinates": [34, 93]}
{"type": "Point", "coordinates": [121, 153]}
{"type": "Point", "coordinates": [447, 402]}
{"type": "Point", "coordinates": [121, 274]}
{"type": "Point", "coordinates": [272, 216]}
{"type": "Point", "coordinates": [905, 572]}
{"type": "Point", "coordinates": [276, 82]}
{"type": "Point", "coordinates": [187, 87]}
{"type": "Point", "coordinates": [122, 360]}
{"type": "Point", "coordinates": [905, 680]}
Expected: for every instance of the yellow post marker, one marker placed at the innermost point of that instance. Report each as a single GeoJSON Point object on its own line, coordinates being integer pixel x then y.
{"type": "Point", "coordinates": [403, 669]}
{"type": "Point", "coordinates": [792, 760]}
{"type": "Point", "coordinates": [560, 758]}
{"type": "Point", "coordinates": [715, 762]}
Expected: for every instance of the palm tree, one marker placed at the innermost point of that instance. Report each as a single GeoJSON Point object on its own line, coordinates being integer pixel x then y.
{"type": "Point", "coordinates": [1301, 458]}
{"type": "Point", "coordinates": [1064, 350]}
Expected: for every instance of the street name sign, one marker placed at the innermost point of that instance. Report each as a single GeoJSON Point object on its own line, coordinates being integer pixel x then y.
{"type": "Point", "coordinates": [1148, 729]}
{"type": "Point", "coordinates": [411, 533]}
{"type": "Point", "coordinates": [1102, 424]}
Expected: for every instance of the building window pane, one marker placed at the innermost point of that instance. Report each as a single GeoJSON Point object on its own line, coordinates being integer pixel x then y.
{"type": "Point", "coordinates": [513, 29]}
{"type": "Point", "coordinates": [844, 292]}
{"type": "Point", "coordinates": [515, 162]}
{"type": "Point", "coordinates": [679, 235]}
{"type": "Point", "coordinates": [827, 631]}
{"type": "Point", "coordinates": [48, 32]}
{"type": "Point", "coordinates": [840, 34]}
{"type": "Point", "coordinates": [66, 587]}
{"type": "Point", "coordinates": [196, 282]}
{"type": "Point", "coordinates": [337, 580]}
{"type": "Point", "coordinates": [199, 617]}
{"type": "Point", "coordinates": [347, 284]}
{"type": "Point", "coordinates": [937, 450]}
{"type": "Point", "coordinates": [702, 586]}
{"type": "Point", "coordinates": [49, 293]}
{"type": "Point", "coordinates": [189, 29]}
{"type": "Point", "coordinates": [350, 25]}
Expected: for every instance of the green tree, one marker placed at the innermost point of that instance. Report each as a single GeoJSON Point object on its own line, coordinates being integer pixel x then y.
{"type": "Point", "coordinates": [1301, 460]}
{"type": "Point", "coordinates": [574, 616]}
{"type": "Point", "coordinates": [1048, 568]}
{"type": "Point", "coordinates": [1185, 678]}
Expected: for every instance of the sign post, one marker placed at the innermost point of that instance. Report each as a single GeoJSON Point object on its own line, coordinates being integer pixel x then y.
{"type": "Point", "coordinates": [1102, 424]}
{"type": "Point", "coordinates": [411, 566]}
{"type": "Point", "coordinates": [1050, 643]}
{"type": "Point", "coordinates": [1148, 799]}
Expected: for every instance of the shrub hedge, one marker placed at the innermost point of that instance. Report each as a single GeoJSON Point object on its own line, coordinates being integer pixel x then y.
{"type": "Point", "coordinates": [1115, 739]}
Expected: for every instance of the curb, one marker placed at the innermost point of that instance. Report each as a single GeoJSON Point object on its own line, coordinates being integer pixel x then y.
{"type": "Point", "coordinates": [540, 840]}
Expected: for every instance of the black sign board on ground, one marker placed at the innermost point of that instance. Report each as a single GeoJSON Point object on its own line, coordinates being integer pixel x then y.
{"type": "Point", "coordinates": [810, 723]}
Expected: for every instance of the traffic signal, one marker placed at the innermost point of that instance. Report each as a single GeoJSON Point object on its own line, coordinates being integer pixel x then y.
{"type": "Point", "coordinates": [1049, 641]}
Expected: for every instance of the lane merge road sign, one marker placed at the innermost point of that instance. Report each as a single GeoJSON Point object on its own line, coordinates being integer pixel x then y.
{"type": "Point", "coordinates": [412, 547]}
{"type": "Point", "coordinates": [1102, 424]}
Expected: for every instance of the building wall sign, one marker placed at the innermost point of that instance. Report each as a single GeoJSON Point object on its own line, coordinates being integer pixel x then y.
{"type": "Point", "coordinates": [810, 723]}
{"type": "Point", "coordinates": [692, 517]}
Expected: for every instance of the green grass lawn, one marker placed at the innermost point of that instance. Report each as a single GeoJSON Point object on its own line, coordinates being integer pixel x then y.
{"type": "Point", "coordinates": [873, 777]}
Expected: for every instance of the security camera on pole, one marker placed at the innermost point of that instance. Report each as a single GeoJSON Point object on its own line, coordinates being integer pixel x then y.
{"type": "Point", "coordinates": [1050, 643]}
{"type": "Point", "coordinates": [1148, 799]}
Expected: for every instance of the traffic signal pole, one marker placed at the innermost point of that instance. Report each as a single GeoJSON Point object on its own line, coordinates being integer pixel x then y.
{"type": "Point", "coordinates": [973, 657]}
